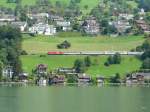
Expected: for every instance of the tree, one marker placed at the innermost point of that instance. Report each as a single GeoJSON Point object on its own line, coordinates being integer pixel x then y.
{"type": "Point", "coordinates": [1, 68]}
{"type": "Point", "coordinates": [87, 61]}
{"type": "Point", "coordinates": [116, 78]}
{"type": "Point", "coordinates": [144, 47]}
{"type": "Point", "coordinates": [10, 47]}
{"type": "Point", "coordinates": [110, 60]}
{"type": "Point", "coordinates": [144, 4]}
{"type": "Point", "coordinates": [23, 15]}
{"type": "Point", "coordinates": [145, 55]}
{"type": "Point", "coordinates": [146, 64]}
{"type": "Point", "coordinates": [117, 58]}
{"type": "Point", "coordinates": [72, 78]}
{"type": "Point", "coordinates": [86, 7]}
{"type": "Point", "coordinates": [79, 66]}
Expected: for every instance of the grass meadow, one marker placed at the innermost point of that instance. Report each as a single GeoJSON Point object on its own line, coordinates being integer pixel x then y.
{"type": "Point", "coordinates": [128, 64]}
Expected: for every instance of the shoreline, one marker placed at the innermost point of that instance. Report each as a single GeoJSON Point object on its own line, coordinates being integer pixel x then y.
{"type": "Point", "coordinates": [76, 84]}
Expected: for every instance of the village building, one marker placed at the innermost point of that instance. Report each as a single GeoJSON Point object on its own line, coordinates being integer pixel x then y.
{"type": "Point", "coordinates": [55, 18]}
{"type": "Point", "coordinates": [66, 70]}
{"type": "Point", "coordinates": [138, 77]}
{"type": "Point", "coordinates": [64, 25]}
{"type": "Point", "coordinates": [39, 17]}
{"type": "Point", "coordinates": [126, 16]}
{"type": "Point", "coordinates": [21, 25]}
{"type": "Point", "coordinates": [8, 72]}
{"type": "Point", "coordinates": [41, 69]}
{"type": "Point", "coordinates": [90, 26]}
{"type": "Point", "coordinates": [57, 79]}
{"type": "Point", "coordinates": [23, 77]}
{"type": "Point", "coordinates": [100, 80]}
{"type": "Point", "coordinates": [142, 25]}
{"type": "Point", "coordinates": [3, 23]}
{"type": "Point", "coordinates": [142, 12]}
{"type": "Point", "coordinates": [43, 29]}
{"type": "Point", "coordinates": [83, 79]}
{"type": "Point", "coordinates": [7, 18]}
{"type": "Point", "coordinates": [142, 76]}
{"type": "Point", "coordinates": [122, 26]}
{"type": "Point", "coordinates": [41, 81]}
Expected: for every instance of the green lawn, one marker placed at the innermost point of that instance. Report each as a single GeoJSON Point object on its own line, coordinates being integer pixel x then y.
{"type": "Point", "coordinates": [8, 5]}
{"type": "Point", "coordinates": [43, 44]}
{"type": "Point", "coordinates": [128, 64]}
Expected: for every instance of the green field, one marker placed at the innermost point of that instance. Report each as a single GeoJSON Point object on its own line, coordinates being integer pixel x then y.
{"type": "Point", "coordinates": [42, 44]}
{"type": "Point", "coordinates": [4, 3]}
{"type": "Point", "coordinates": [91, 3]}
{"type": "Point", "coordinates": [128, 64]}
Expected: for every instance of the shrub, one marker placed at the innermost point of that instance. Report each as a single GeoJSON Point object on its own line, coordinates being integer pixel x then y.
{"type": "Point", "coordinates": [64, 45]}
{"type": "Point", "coordinates": [23, 52]}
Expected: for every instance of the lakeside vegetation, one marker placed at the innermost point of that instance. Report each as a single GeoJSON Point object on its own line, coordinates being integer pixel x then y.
{"type": "Point", "coordinates": [43, 44]}
{"type": "Point", "coordinates": [30, 62]}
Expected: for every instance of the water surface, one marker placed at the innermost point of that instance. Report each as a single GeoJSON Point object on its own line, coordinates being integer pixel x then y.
{"type": "Point", "coordinates": [74, 99]}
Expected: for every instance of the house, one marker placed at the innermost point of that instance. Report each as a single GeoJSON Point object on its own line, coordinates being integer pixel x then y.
{"type": "Point", "coordinates": [142, 12]}
{"type": "Point", "coordinates": [66, 70]}
{"type": "Point", "coordinates": [41, 69]}
{"type": "Point", "coordinates": [8, 18]}
{"type": "Point", "coordinates": [145, 27]}
{"type": "Point", "coordinates": [100, 80]}
{"type": "Point", "coordinates": [43, 29]}
{"type": "Point", "coordinates": [83, 78]}
{"type": "Point", "coordinates": [39, 17]}
{"type": "Point", "coordinates": [41, 81]}
{"type": "Point", "coordinates": [90, 26]}
{"type": "Point", "coordinates": [65, 25]}
{"type": "Point", "coordinates": [18, 24]}
{"type": "Point", "coordinates": [122, 25]}
{"type": "Point", "coordinates": [142, 76]}
{"type": "Point", "coordinates": [139, 77]}
{"type": "Point", "coordinates": [23, 77]}
{"type": "Point", "coordinates": [57, 79]}
{"type": "Point", "coordinates": [126, 16]}
{"type": "Point", "coordinates": [55, 18]}
{"type": "Point", "coordinates": [3, 23]}
{"type": "Point", "coordinates": [8, 72]}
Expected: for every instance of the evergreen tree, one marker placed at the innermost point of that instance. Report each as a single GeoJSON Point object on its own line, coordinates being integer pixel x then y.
{"type": "Point", "coordinates": [79, 66]}
{"type": "Point", "coordinates": [87, 61]}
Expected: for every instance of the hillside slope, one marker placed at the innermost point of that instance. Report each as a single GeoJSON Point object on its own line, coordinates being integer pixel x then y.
{"type": "Point", "coordinates": [91, 3]}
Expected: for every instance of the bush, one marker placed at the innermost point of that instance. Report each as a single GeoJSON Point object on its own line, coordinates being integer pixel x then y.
{"type": "Point", "coordinates": [23, 52]}
{"type": "Point", "coordinates": [106, 64]}
{"type": "Point", "coordinates": [115, 59]}
{"type": "Point", "coordinates": [64, 45]}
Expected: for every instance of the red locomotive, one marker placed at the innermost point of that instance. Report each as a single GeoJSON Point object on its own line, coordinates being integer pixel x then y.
{"type": "Point", "coordinates": [55, 53]}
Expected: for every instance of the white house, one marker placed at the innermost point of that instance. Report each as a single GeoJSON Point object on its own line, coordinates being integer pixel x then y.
{"type": "Point", "coordinates": [43, 29]}
{"type": "Point", "coordinates": [126, 16]}
{"type": "Point", "coordinates": [66, 25]}
{"type": "Point", "coordinates": [39, 17]}
{"type": "Point", "coordinates": [21, 25]}
{"type": "Point", "coordinates": [122, 25]}
{"type": "Point", "coordinates": [8, 72]}
{"type": "Point", "coordinates": [8, 18]}
{"type": "Point", "coordinates": [91, 26]}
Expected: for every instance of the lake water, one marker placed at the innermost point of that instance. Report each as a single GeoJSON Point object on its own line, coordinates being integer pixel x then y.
{"type": "Point", "coordinates": [74, 99]}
